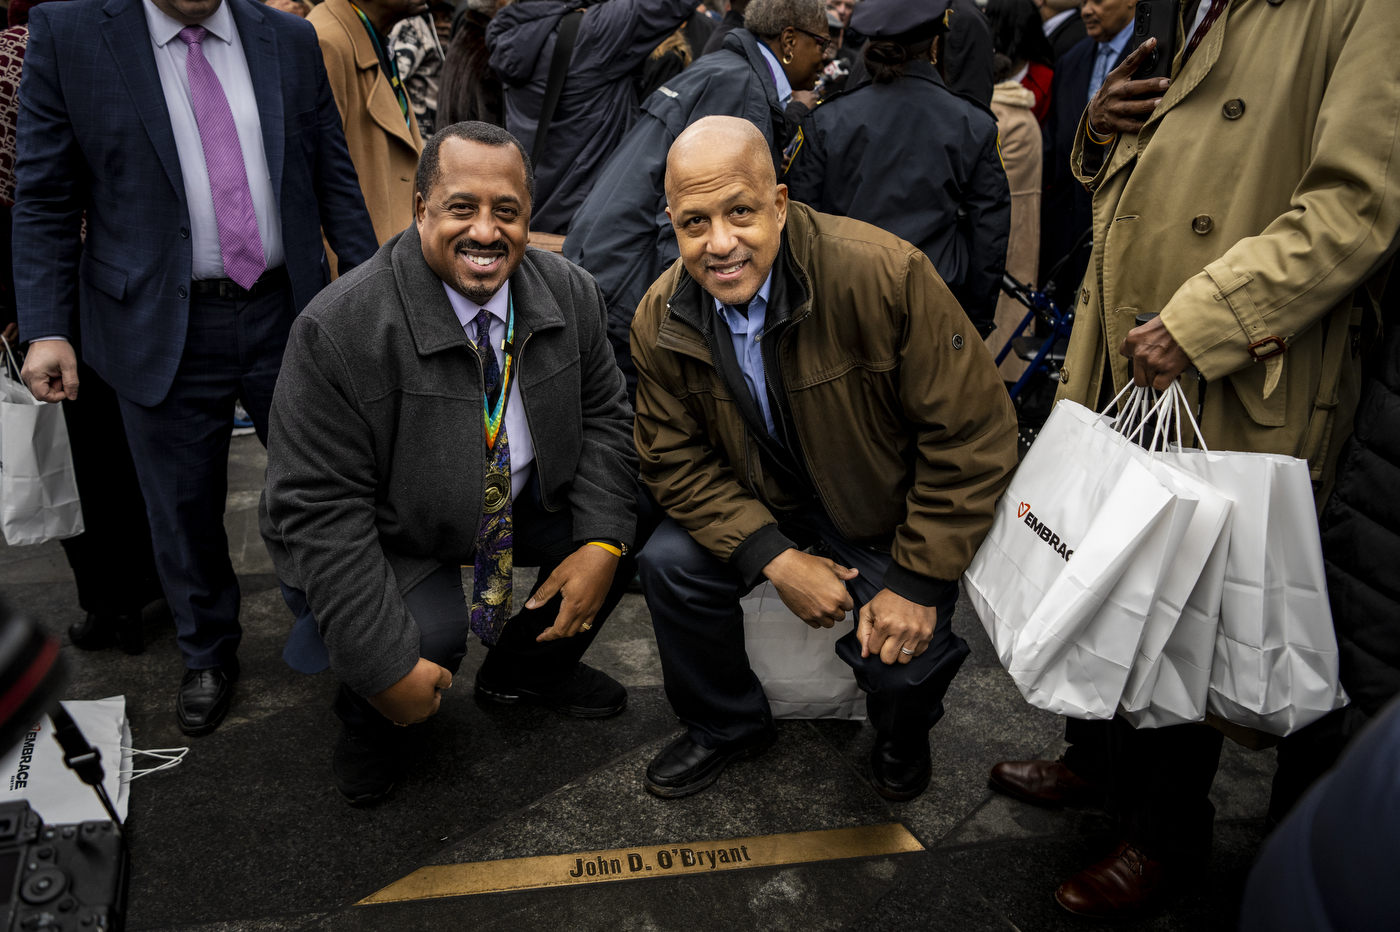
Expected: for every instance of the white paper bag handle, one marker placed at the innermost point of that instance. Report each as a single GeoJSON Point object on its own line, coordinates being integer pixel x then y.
{"type": "Point", "coordinates": [10, 357]}
{"type": "Point", "coordinates": [1186, 405]}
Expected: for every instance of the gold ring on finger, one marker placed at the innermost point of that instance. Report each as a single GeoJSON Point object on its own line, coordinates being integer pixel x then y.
{"type": "Point", "coordinates": [587, 626]}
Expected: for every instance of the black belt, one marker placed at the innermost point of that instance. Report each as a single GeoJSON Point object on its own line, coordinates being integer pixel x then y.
{"type": "Point", "coordinates": [271, 281]}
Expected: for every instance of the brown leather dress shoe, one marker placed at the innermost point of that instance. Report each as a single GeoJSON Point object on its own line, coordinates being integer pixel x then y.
{"type": "Point", "coordinates": [1124, 884]}
{"type": "Point", "coordinates": [1047, 782]}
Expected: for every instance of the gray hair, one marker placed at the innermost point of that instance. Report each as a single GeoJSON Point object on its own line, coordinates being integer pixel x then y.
{"type": "Point", "coordinates": [768, 18]}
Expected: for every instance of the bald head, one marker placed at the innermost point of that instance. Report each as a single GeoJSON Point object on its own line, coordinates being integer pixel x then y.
{"type": "Point", "coordinates": [718, 145]}
{"type": "Point", "coordinates": [728, 210]}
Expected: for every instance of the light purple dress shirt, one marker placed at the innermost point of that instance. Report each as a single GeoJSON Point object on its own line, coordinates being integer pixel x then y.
{"type": "Point", "coordinates": [522, 449]}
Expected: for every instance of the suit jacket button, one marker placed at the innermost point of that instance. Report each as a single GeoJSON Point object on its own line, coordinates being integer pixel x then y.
{"type": "Point", "coordinates": [184, 232]}
{"type": "Point", "coordinates": [1233, 109]}
{"type": "Point", "coordinates": [182, 291]}
{"type": "Point", "coordinates": [1064, 376]}
{"type": "Point", "coordinates": [1084, 295]}
{"type": "Point", "coordinates": [1202, 224]}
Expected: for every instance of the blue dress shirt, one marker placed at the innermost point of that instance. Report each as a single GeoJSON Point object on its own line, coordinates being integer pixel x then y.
{"type": "Point", "coordinates": [1107, 54]}
{"type": "Point", "coordinates": [780, 78]}
{"type": "Point", "coordinates": [745, 333]}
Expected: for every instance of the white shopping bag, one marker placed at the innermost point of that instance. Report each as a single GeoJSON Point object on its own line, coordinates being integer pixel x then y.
{"type": "Point", "coordinates": [1067, 575]}
{"type": "Point", "coordinates": [797, 665]}
{"type": "Point", "coordinates": [1275, 665]}
{"type": "Point", "coordinates": [34, 769]}
{"type": "Point", "coordinates": [1171, 674]}
{"type": "Point", "coordinates": [38, 488]}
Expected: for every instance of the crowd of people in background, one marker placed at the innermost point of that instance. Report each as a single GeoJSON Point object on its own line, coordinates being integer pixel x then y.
{"type": "Point", "coordinates": [303, 209]}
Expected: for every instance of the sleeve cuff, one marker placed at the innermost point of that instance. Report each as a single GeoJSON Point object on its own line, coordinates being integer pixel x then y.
{"type": "Point", "coordinates": [757, 551]}
{"type": "Point", "coordinates": [923, 590]}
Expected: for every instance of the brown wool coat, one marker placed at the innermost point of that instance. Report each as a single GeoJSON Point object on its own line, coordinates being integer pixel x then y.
{"type": "Point", "coordinates": [1020, 154]}
{"type": "Point", "coordinates": [907, 433]}
{"type": "Point", "coordinates": [1261, 195]}
{"type": "Point", "coordinates": [382, 145]}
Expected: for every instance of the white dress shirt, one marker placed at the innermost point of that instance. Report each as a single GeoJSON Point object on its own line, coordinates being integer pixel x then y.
{"type": "Point", "coordinates": [522, 449]}
{"type": "Point", "coordinates": [224, 52]}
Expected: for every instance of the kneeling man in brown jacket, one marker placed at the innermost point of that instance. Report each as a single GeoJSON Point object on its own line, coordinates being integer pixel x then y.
{"type": "Point", "coordinates": [806, 380]}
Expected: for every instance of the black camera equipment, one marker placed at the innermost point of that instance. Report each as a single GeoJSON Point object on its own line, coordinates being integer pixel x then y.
{"type": "Point", "coordinates": [53, 877]}
{"type": "Point", "coordinates": [1156, 19]}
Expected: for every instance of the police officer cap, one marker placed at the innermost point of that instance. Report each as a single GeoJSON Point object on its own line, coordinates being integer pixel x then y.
{"type": "Point", "coordinates": [901, 21]}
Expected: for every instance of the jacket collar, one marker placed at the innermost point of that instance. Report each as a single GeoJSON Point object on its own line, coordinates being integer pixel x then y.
{"type": "Point", "coordinates": [432, 321]}
{"type": "Point", "coordinates": [690, 304]}
{"type": "Point", "coordinates": [925, 71]}
{"type": "Point", "coordinates": [381, 104]}
{"type": "Point", "coordinates": [264, 67]}
{"type": "Point", "coordinates": [746, 44]}
{"type": "Point", "coordinates": [129, 41]}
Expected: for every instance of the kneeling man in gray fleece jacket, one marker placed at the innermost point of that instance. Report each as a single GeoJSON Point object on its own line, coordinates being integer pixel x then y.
{"type": "Point", "coordinates": [447, 410]}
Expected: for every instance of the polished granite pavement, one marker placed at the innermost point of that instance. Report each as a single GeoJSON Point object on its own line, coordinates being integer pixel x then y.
{"type": "Point", "coordinates": [248, 835]}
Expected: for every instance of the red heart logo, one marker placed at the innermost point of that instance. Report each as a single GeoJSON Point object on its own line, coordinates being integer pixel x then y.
{"type": "Point", "coordinates": [1021, 512]}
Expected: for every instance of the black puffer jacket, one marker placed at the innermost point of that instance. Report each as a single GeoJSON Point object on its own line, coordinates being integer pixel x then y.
{"type": "Point", "coordinates": [1361, 540]}
{"type": "Point", "coordinates": [598, 104]}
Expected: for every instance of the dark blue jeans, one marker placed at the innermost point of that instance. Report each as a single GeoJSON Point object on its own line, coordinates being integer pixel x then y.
{"type": "Point", "coordinates": [694, 601]}
{"type": "Point", "coordinates": [233, 351]}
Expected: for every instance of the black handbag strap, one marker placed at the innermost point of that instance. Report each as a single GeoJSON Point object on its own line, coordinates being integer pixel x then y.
{"type": "Point", "coordinates": [558, 71]}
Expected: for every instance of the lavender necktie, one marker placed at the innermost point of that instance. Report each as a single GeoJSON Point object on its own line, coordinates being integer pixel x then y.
{"type": "Point", "coordinates": [239, 240]}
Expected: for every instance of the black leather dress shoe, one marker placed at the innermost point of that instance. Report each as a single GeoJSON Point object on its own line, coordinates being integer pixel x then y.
{"type": "Point", "coordinates": [364, 765]}
{"type": "Point", "coordinates": [900, 770]}
{"type": "Point", "coordinates": [97, 632]}
{"type": "Point", "coordinates": [584, 693]}
{"type": "Point", "coordinates": [686, 767]}
{"type": "Point", "coordinates": [204, 698]}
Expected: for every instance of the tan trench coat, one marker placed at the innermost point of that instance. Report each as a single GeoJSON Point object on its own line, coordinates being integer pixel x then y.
{"type": "Point", "coordinates": [1262, 193]}
{"type": "Point", "coordinates": [1020, 155]}
{"type": "Point", "coordinates": [382, 145]}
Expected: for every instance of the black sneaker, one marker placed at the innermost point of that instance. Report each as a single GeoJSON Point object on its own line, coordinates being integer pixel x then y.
{"type": "Point", "coordinates": [900, 770]}
{"type": "Point", "coordinates": [364, 765]}
{"type": "Point", "coordinates": [584, 693]}
{"type": "Point", "coordinates": [686, 767]}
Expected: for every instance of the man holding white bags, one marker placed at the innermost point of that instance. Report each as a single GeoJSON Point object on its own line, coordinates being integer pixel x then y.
{"type": "Point", "coordinates": [805, 379]}
{"type": "Point", "coordinates": [1249, 199]}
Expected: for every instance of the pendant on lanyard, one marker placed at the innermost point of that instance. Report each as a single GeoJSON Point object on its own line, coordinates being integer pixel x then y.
{"type": "Point", "coordinates": [494, 414]}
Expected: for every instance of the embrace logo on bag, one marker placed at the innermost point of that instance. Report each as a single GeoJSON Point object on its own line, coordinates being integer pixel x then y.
{"type": "Point", "coordinates": [1043, 531]}
{"type": "Point", "coordinates": [20, 778]}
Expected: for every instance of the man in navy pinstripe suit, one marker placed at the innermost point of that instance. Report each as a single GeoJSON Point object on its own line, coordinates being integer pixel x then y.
{"type": "Point", "coordinates": [200, 140]}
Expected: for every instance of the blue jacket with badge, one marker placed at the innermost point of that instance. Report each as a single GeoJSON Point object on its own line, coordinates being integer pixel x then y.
{"type": "Point", "coordinates": [918, 161]}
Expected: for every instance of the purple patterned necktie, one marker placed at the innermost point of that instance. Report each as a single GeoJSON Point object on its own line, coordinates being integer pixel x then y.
{"type": "Point", "coordinates": [239, 240]}
{"type": "Point", "coordinates": [492, 597]}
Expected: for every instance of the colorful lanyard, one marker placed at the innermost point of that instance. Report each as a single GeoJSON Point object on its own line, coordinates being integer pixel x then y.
{"type": "Point", "coordinates": [394, 81]}
{"type": "Point", "coordinates": [494, 415]}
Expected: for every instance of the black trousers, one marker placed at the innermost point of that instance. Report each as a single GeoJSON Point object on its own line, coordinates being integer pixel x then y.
{"type": "Point", "coordinates": [1158, 781]}
{"type": "Point", "coordinates": [112, 559]}
{"type": "Point", "coordinates": [1308, 753]}
{"type": "Point", "coordinates": [439, 608]}
{"type": "Point", "coordinates": [694, 602]}
{"type": "Point", "coordinates": [233, 351]}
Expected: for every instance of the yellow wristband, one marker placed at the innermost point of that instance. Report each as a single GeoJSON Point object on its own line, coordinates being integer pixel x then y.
{"type": "Point", "coordinates": [1095, 138]}
{"type": "Point", "coordinates": [608, 547]}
